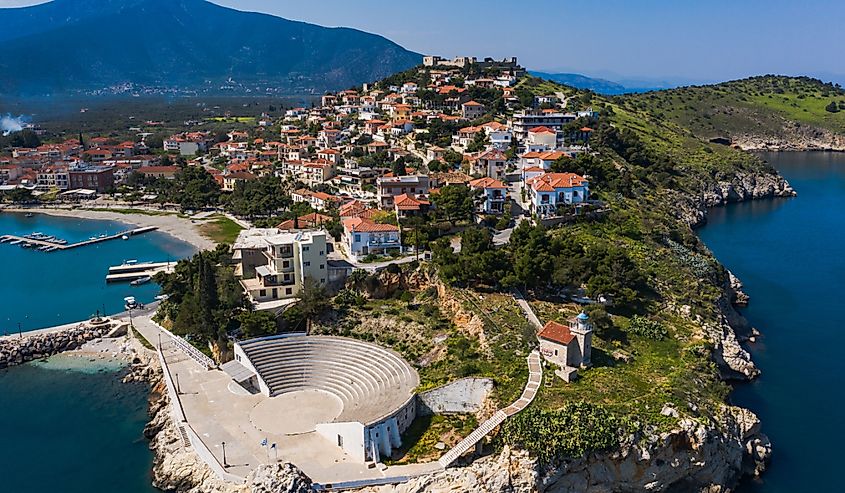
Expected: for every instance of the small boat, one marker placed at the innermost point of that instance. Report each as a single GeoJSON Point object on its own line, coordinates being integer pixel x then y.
{"type": "Point", "coordinates": [92, 238]}
{"type": "Point", "coordinates": [162, 297]}
{"type": "Point", "coordinates": [4, 239]}
{"type": "Point", "coordinates": [140, 281]}
{"type": "Point", "coordinates": [26, 245]}
{"type": "Point", "coordinates": [44, 248]}
{"type": "Point", "coordinates": [124, 237]}
{"type": "Point", "coordinates": [130, 262]}
{"type": "Point", "coordinates": [129, 303]}
{"type": "Point", "coordinates": [16, 242]}
{"type": "Point", "coordinates": [103, 236]}
{"type": "Point", "coordinates": [29, 214]}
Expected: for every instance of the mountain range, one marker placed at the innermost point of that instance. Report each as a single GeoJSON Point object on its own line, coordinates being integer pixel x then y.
{"type": "Point", "coordinates": [85, 45]}
{"type": "Point", "coordinates": [598, 85]}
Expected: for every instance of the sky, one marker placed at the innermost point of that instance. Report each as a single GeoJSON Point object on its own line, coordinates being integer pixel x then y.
{"type": "Point", "coordinates": [682, 41]}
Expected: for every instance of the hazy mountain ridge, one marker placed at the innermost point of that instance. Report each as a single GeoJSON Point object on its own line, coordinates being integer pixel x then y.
{"type": "Point", "coordinates": [79, 45]}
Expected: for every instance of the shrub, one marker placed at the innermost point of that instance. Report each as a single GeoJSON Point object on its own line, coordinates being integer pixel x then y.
{"type": "Point", "coordinates": [572, 431]}
{"type": "Point", "coordinates": [650, 329]}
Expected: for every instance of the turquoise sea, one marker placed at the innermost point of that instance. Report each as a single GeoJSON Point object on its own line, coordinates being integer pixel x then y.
{"type": "Point", "coordinates": [790, 253]}
{"type": "Point", "coordinates": [47, 289]}
{"type": "Point", "coordinates": [70, 425]}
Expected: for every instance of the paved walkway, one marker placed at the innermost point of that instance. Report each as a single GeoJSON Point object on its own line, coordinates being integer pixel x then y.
{"type": "Point", "coordinates": [526, 309]}
{"type": "Point", "coordinates": [535, 376]}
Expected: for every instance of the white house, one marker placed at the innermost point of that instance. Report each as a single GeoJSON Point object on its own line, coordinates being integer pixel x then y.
{"type": "Point", "coordinates": [363, 237]}
{"type": "Point", "coordinates": [542, 139]}
{"type": "Point", "coordinates": [550, 191]}
{"type": "Point", "coordinates": [494, 194]}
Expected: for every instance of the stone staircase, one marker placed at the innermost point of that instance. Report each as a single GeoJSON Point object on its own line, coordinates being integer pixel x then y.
{"type": "Point", "coordinates": [535, 375]}
{"type": "Point", "coordinates": [473, 438]}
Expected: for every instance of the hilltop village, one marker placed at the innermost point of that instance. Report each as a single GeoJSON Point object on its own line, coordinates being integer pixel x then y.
{"type": "Point", "coordinates": [443, 268]}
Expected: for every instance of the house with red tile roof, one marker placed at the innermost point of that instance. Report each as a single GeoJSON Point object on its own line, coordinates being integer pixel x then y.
{"type": "Point", "coordinates": [550, 191]}
{"type": "Point", "coordinates": [308, 221]}
{"type": "Point", "coordinates": [168, 172]}
{"type": "Point", "coordinates": [493, 195]}
{"type": "Point", "coordinates": [319, 201]}
{"type": "Point", "coordinates": [407, 205]}
{"type": "Point", "coordinates": [472, 110]}
{"type": "Point", "coordinates": [491, 163]}
{"type": "Point", "coordinates": [363, 237]}
{"type": "Point", "coordinates": [568, 346]}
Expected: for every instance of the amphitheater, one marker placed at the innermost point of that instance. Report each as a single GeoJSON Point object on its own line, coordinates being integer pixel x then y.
{"type": "Point", "coordinates": [359, 396]}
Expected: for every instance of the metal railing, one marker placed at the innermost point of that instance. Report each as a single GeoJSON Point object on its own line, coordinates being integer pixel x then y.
{"type": "Point", "coordinates": [187, 348]}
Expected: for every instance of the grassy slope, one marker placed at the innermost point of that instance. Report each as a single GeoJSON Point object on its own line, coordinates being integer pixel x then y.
{"type": "Point", "coordinates": [757, 105]}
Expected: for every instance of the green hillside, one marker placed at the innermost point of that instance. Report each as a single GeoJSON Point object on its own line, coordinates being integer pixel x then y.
{"type": "Point", "coordinates": [764, 106]}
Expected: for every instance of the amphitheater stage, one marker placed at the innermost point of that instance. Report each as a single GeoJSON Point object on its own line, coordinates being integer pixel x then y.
{"type": "Point", "coordinates": [295, 413]}
{"type": "Point", "coordinates": [218, 411]}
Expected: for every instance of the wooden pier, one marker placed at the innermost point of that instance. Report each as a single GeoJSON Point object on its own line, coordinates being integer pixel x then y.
{"type": "Point", "coordinates": [7, 239]}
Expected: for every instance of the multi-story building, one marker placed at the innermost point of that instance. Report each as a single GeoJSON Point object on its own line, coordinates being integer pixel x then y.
{"type": "Point", "coordinates": [273, 266]}
{"type": "Point", "coordinates": [389, 187]}
{"type": "Point", "coordinates": [524, 121]}
{"type": "Point", "coordinates": [307, 172]}
{"type": "Point", "coordinates": [98, 178]}
{"type": "Point", "coordinates": [51, 177]}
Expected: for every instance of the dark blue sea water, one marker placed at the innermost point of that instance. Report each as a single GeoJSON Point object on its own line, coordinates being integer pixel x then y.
{"type": "Point", "coordinates": [790, 253]}
{"type": "Point", "coordinates": [72, 427]}
{"type": "Point", "coordinates": [40, 289]}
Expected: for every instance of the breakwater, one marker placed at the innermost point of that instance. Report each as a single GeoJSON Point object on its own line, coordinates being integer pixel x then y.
{"type": "Point", "coordinates": [19, 350]}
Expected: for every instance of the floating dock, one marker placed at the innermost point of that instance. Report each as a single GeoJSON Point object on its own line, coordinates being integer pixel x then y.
{"type": "Point", "coordinates": [131, 272]}
{"type": "Point", "coordinates": [54, 246]}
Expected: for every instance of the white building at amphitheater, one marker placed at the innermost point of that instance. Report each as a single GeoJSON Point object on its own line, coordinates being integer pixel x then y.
{"type": "Point", "coordinates": [356, 395]}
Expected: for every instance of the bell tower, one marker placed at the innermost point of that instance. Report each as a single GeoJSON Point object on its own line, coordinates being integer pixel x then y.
{"type": "Point", "coordinates": [582, 329]}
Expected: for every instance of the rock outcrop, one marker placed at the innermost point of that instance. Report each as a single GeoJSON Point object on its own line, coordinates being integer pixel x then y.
{"type": "Point", "coordinates": [696, 456]}
{"type": "Point", "coordinates": [739, 187]}
{"type": "Point", "coordinates": [793, 136]}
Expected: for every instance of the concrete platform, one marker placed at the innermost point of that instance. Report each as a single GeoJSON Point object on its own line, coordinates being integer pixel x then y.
{"type": "Point", "coordinates": [296, 413]}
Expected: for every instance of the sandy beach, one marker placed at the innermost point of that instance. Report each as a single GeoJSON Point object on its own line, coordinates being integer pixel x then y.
{"type": "Point", "coordinates": [185, 229]}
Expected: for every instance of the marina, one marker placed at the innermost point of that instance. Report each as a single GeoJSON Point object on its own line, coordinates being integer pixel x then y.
{"type": "Point", "coordinates": [46, 243]}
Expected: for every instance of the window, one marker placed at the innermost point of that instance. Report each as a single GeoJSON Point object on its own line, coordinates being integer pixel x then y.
{"type": "Point", "coordinates": [322, 253]}
{"type": "Point", "coordinates": [262, 293]}
{"type": "Point", "coordinates": [305, 249]}
{"type": "Point", "coordinates": [307, 264]}
{"type": "Point", "coordinates": [289, 291]}
{"type": "Point", "coordinates": [357, 238]}
{"type": "Point", "coordinates": [322, 266]}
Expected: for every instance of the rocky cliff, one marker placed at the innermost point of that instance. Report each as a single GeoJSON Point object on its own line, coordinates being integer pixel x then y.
{"type": "Point", "coordinates": [793, 136]}
{"type": "Point", "coordinates": [697, 456]}
{"type": "Point", "coordinates": [738, 187]}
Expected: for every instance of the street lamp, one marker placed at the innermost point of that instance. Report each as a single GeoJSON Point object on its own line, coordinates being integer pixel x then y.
{"type": "Point", "coordinates": [178, 388]}
{"type": "Point", "coordinates": [224, 455]}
